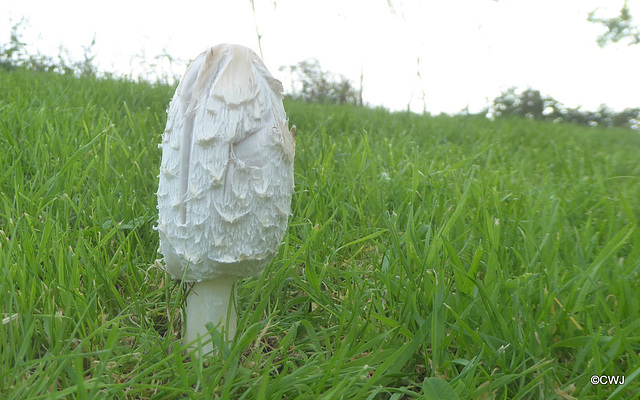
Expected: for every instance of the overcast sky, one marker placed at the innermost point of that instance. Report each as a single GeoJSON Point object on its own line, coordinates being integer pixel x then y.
{"type": "Point", "coordinates": [469, 51]}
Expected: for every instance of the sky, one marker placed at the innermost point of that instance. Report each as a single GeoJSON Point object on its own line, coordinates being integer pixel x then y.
{"type": "Point", "coordinates": [438, 55]}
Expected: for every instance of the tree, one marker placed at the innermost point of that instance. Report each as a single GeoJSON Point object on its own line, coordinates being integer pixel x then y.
{"type": "Point", "coordinates": [618, 28]}
{"type": "Point", "coordinates": [528, 104]}
{"type": "Point", "coordinates": [311, 83]}
{"type": "Point", "coordinates": [531, 104]}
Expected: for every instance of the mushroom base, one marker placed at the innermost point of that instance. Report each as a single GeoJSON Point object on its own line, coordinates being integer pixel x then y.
{"type": "Point", "coordinates": [210, 302]}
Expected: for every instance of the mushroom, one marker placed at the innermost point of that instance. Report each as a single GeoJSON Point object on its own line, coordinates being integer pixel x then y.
{"type": "Point", "coordinates": [226, 179]}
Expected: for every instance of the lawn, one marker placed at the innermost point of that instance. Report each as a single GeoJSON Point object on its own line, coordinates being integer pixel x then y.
{"type": "Point", "coordinates": [426, 257]}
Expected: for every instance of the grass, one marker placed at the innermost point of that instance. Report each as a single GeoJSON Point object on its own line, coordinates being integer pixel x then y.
{"type": "Point", "coordinates": [426, 257]}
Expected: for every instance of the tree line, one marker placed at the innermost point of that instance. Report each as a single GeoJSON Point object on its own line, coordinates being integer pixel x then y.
{"type": "Point", "coordinates": [311, 83]}
{"type": "Point", "coordinates": [531, 104]}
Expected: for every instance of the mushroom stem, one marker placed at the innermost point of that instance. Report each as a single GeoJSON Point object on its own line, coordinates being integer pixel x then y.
{"type": "Point", "coordinates": [210, 301]}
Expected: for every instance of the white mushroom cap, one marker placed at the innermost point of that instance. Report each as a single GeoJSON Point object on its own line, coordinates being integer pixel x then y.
{"type": "Point", "coordinates": [226, 175]}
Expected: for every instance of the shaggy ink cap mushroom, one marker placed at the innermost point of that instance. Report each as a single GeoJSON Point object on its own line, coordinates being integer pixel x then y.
{"type": "Point", "coordinates": [226, 180]}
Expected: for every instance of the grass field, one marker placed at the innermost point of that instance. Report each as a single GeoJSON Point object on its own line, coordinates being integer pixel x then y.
{"type": "Point", "coordinates": [426, 257]}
